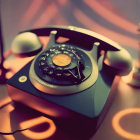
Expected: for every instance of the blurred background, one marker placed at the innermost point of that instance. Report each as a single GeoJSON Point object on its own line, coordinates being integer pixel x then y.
{"type": "Point", "coordinates": [115, 19]}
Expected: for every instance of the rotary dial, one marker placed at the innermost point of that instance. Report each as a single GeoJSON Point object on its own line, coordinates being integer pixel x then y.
{"type": "Point", "coordinates": [64, 63]}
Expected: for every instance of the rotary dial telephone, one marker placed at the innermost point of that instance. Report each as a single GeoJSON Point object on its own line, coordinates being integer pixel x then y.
{"type": "Point", "coordinates": [72, 75]}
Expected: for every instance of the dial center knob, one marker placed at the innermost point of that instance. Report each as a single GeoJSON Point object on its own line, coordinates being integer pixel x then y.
{"type": "Point", "coordinates": [61, 60]}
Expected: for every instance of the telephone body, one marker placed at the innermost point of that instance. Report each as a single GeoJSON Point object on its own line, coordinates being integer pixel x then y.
{"type": "Point", "coordinates": [71, 79]}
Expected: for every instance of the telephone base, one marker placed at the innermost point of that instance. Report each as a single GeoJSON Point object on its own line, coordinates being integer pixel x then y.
{"type": "Point", "coordinates": [87, 107]}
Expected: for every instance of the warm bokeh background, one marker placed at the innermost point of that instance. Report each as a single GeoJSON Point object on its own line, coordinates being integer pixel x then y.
{"type": "Point", "coordinates": [117, 20]}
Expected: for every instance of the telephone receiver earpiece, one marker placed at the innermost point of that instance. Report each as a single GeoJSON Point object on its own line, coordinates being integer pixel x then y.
{"type": "Point", "coordinates": [26, 44]}
{"type": "Point", "coordinates": [118, 61]}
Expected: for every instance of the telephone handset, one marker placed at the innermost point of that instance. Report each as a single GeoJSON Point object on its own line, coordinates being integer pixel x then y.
{"type": "Point", "coordinates": [74, 62]}
{"type": "Point", "coordinates": [69, 72]}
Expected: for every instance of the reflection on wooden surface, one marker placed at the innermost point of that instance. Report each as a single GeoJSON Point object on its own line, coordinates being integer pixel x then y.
{"type": "Point", "coordinates": [34, 122]}
{"type": "Point", "coordinates": [120, 130]}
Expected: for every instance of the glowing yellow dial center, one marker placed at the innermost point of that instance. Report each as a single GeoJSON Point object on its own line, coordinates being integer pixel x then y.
{"type": "Point", "coordinates": [61, 60]}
